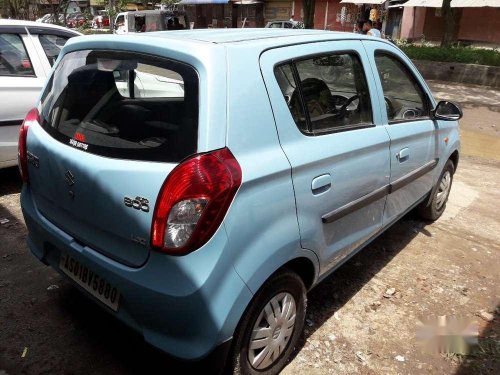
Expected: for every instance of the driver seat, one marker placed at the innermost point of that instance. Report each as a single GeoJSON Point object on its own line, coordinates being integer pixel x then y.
{"type": "Point", "coordinates": [317, 97]}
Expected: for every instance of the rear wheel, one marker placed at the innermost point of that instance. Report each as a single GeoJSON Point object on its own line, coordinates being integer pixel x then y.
{"type": "Point", "coordinates": [271, 326]}
{"type": "Point", "coordinates": [438, 203]}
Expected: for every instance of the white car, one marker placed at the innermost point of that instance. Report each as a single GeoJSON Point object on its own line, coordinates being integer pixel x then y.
{"type": "Point", "coordinates": [284, 25]}
{"type": "Point", "coordinates": [44, 18]}
{"type": "Point", "coordinates": [27, 52]}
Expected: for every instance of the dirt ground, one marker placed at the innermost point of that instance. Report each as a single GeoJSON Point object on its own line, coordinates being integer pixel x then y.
{"type": "Point", "coordinates": [450, 267]}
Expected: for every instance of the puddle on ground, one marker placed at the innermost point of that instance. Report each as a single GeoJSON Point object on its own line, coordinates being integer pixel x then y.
{"type": "Point", "coordinates": [480, 144]}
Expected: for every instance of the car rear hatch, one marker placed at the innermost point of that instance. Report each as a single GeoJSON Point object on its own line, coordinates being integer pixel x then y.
{"type": "Point", "coordinates": [113, 126]}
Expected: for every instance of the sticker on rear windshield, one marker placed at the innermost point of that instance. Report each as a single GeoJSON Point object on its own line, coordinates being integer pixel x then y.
{"type": "Point", "coordinates": [78, 144]}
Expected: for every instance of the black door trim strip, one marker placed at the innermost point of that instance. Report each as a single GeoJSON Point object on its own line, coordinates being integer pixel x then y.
{"type": "Point", "coordinates": [369, 198]}
{"type": "Point", "coordinates": [412, 176]}
{"type": "Point", "coordinates": [11, 123]}
{"type": "Point", "coordinates": [355, 205]}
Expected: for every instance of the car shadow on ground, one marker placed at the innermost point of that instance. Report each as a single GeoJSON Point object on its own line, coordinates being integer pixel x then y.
{"type": "Point", "coordinates": [124, 351]}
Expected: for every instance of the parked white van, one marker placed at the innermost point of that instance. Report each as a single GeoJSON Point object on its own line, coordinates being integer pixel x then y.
{"type": "Point", "coordinates": [149, 20]}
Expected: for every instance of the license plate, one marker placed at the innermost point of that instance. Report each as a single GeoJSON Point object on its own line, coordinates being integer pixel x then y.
{"type": "Point", "coordinates": [90, 281]}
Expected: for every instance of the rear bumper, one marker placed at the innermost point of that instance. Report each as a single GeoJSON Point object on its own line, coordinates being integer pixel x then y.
{"type": "Point", "coordinates": [186, 306]}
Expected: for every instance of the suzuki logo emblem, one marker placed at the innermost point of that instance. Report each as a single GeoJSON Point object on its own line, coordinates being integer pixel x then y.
{"type": "Point", "coordinates": [70, 179]}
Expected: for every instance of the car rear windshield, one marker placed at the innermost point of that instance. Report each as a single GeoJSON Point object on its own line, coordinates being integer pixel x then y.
{"type": "Point", "coordinates": [123, 105]}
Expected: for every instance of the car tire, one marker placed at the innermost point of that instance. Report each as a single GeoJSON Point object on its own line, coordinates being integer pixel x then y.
{"type": "Point", "coordinates": [441, 192]}
{"type": "Point", "coordinates": [245, 360]}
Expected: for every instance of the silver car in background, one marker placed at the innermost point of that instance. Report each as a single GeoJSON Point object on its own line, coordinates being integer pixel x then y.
{"type": "Point", "coordinates": [283, 24]}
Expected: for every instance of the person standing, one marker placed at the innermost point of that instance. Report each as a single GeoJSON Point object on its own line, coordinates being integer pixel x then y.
{"type": "Point", "coordinates": [177, 24]}
{"type": "Point", "coordinates": [370, 30]}
{"type": "Point", "coordinates": [358, 27]}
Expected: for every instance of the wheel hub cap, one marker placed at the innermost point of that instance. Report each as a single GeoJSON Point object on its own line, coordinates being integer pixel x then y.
{"type": "Point", "coordinates": [272, 331]}
{"type": "Point", "coordinates": [443, 190]}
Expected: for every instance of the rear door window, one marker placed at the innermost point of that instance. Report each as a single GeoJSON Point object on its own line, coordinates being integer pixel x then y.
{"type": "Point", "coordinates": [327, 93]}
{"type": "Point", "coordinates": [14, 59]}
{"type": "Point", "coordinates": [286, 81]}
{"type": "Point", "coordinates": [123, 105]}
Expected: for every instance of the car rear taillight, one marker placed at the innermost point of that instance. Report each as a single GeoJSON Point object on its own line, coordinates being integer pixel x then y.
{"type": "Point", "coordinates": [193, 201]}
{"type": "Point", "coordinates": [22, 151]}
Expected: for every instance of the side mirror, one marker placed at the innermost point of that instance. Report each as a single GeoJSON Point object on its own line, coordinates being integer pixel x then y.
{"type": "Point", "coordinates": [447, 111]}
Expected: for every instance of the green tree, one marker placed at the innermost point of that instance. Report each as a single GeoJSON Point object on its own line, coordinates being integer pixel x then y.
{"type": "Point", "coordinates": [308, 6]}
{"type": "Point", "coordinates": [114, 7]}
{"type": "Point", "coordinates": [17, 9]}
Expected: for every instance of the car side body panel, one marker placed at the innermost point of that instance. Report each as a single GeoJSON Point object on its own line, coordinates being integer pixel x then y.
{"type": "Point", "coordinates": [356, 161]}
{"type": "Point", "coordinates": [422, 140]}
{"type": "Point", "coordinates": [265, 202]}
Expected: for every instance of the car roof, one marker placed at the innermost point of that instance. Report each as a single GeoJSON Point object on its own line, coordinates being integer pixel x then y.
{"type": "Point", "coordinates": [196, 45]}
{"type": "Point", "coordinates": [9, 22]}
{"type": "Point", "coordinates": [34, 27]}
{"type": "Point", "coordinates": [276, 37]}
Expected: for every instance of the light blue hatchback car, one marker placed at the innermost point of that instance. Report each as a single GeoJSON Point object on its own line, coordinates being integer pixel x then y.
{"type": "Point", "coordinates": [196, 184]}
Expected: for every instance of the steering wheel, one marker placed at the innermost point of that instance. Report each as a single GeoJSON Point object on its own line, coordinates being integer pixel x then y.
{"type": "Point", "coordinates": [341, 111]}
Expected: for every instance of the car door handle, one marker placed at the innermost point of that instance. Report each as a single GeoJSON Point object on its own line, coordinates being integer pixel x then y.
{"type": "Point", "coordinates": [321, 184]}
{"type": "Point", "coordinates": [403, 155]}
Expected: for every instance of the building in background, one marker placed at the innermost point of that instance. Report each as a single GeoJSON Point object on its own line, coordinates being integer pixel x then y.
{"type": "Point", "coordinates": [392, 27]}
{"type": "Point", "coordinates": [336, 15]}
{"type": "Point", "coordinates": [224, 13]}
{"type": "Point", "coordinates": [478, 21]}
{"type": "Point", "coordinates": [341, 15]}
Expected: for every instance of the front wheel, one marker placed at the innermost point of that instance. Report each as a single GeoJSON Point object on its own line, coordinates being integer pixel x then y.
{"type": "Point", "coordinates": [438, 201]}
{"type": "Point", "coordinates": [271, 326]}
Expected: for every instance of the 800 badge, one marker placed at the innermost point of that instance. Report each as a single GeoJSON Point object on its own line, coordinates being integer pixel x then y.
{"type": "Point", "coordinates": [138, 203]}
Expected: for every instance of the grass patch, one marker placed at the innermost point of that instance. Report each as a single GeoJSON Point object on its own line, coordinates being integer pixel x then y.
{"type": "Point", "coordinates": [465, 55]}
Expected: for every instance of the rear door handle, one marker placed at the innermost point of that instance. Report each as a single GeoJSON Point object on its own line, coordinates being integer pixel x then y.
{"type": "Point", "coordinates": [403, 154]}
{"type": "Point", "coordinates": [321, 184]}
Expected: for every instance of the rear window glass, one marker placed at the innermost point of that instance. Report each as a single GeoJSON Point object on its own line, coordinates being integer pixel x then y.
{"type": "Point", "coordinates": [123, 105]}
